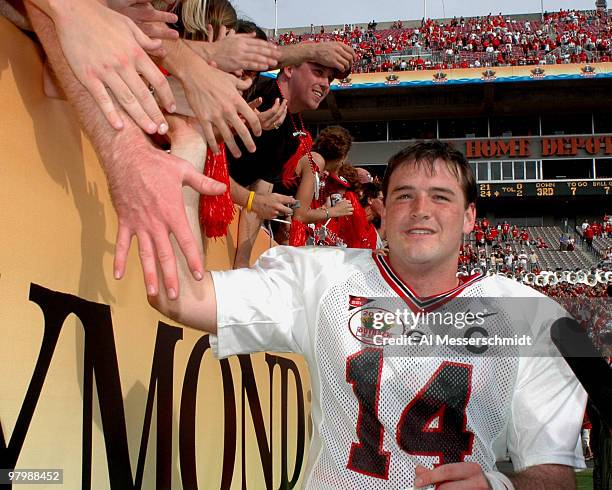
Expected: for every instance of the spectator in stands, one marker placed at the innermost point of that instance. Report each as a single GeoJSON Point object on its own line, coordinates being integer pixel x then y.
{"type": "Point", "coordinates": [589, 234]}
{"type": "Point", "coordinates": [509, 260]}
{"type": "Point", "coordinates": [489, 236]}
{"type": "Point", "coordinates": [515, 233]}
{"type": "Point", "coordinates": [480, 237]}
{"type": "Point", "coordinates": [257, 182]}
{"type": "Point", "coordinates": [524, 237]}
{"type": "Point", "coordinates": [523, 258]}
{"type": "Point", "coordinates": [533, 260]}
{"type": "Point", "coordinates": [505, 230]}
{"type": "Point", "coordinates": [563, 241]}
{"type": "Point", "coordinates": [372, 201]}
{"type": "Point", "coordinates": [585, 225]}
{"type": "Point", "coordinates": [482, 261]}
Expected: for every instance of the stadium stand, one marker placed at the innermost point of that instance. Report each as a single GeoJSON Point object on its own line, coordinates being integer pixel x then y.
{"type": "Point", "coordinates": [567, 36]}
{"type": "Point", "coordinates": [549, 257]}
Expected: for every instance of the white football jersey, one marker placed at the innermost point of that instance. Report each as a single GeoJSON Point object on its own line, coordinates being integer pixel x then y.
{"type": "Point", "coordinates": [379, 411]}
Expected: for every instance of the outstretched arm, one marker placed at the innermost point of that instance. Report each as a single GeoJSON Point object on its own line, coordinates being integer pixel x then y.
{"type": "Point", "coordinates": [333, 54]}
{"type": "Point", "coordinates": [145, 183]}
{"type": "Point", "coordinates": [196, 306]}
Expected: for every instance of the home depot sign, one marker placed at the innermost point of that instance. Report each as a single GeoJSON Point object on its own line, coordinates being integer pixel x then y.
{"type": "Point", "coordinates": [539, 147]}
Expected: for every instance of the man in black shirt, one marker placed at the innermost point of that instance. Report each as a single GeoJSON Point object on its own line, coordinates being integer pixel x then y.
{"type": "Point", "coordinates": [256, 175]}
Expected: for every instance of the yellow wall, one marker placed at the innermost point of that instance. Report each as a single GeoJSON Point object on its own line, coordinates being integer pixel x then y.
{"type": "Point", "coordinates": [58, 230]}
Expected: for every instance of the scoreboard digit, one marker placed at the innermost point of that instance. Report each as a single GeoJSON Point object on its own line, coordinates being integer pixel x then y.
{"type": "Point", "coordinates": [546, 189]}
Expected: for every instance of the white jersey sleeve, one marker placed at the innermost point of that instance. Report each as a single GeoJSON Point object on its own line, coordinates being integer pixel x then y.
{"type": "Point", "coordinates": [548, 401]}
{"type": "Point", "coordinates": [258, 308]}
{"type": "Point", "coordinates": [272, 306]}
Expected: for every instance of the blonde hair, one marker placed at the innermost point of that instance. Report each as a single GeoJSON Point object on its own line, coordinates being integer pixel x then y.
{"type": "Point", "coordinates": [194, 18]}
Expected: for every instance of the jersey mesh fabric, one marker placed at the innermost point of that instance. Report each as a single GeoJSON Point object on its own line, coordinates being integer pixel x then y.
{"type": "Point", "coordinates": [492, 381]}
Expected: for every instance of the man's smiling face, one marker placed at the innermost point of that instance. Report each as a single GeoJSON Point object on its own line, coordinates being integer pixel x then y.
{"type": "Point", "coordinates": [309, 85]}
{"type": "Point", "coordinates": [426, 215]}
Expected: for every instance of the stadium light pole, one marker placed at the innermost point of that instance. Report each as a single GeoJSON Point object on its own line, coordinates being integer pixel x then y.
{"type": "Point", "coordinates": [425, 9]}
{"type": "Point", "coordinates": [542, 9]}
{"type": "Point", "coordinates": [275, 18]}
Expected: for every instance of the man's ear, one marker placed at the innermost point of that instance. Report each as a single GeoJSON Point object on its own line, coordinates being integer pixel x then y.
{"type": "Point", "coordinates": [288, 71]}
{"type": "Point", "coordinates": [469, 218]}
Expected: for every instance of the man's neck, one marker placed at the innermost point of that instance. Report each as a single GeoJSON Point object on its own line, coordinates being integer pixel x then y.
{"type": "Point", "coordinates": [425, 280]}
{"type": "Point", "coordinates": [292, 106]}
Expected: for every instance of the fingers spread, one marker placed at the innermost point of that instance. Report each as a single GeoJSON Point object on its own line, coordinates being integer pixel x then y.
{"type": "Point", "coordinates": [254, 104]}
{"type": "Point", "coordinates": [158, 30]}
{"type": "Point", "coordinates": [145, 41]}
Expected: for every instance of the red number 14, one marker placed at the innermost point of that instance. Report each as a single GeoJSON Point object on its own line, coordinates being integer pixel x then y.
{"type": "Point", "coordinates": [432, 424]}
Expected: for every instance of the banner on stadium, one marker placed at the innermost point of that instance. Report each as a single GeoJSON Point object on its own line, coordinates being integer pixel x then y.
{"type": "Point", "coordinates": [94, 382]}
{"type": "Point", "coordinates": [497, 74]}
{"type": "Point", "coordinates": [537, 147]}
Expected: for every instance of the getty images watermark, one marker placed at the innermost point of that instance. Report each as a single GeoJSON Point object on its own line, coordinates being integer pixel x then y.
{"type": "Point", "coordinates": [480, 326]}
{"type": "Point", "coordinates": [381, 320]}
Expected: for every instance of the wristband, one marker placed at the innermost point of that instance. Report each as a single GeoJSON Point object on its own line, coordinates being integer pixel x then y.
{"type": "Point", "coordinates": [249, 206]}
{"type": "Point", "coordinates": [324, 208]}
{"type": "Point", "coordinates": [498, 481]}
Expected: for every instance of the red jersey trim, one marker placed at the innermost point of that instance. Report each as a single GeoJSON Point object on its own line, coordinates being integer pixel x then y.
{"type": "Point", "coordinates": [414, 302]}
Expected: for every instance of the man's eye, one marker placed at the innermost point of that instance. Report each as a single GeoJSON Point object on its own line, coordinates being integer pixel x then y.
{"type": "Point", "coordinates": [440, 197]}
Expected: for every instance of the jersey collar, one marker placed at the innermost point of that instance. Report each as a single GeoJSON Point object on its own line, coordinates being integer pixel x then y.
{"type": "Point", "coordinates": [415, 302]}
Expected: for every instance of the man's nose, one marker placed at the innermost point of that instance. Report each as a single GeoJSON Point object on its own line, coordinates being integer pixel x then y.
{"type": "Point", "coordinates": [421, 207]}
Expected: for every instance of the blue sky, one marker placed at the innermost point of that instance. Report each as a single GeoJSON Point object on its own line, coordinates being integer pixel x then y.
{"type": "Point", "coordinates": [292, 13]}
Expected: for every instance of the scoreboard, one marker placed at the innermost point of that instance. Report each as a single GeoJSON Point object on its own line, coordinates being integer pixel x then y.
{"type": "Point", "coordinates": [546, 189]}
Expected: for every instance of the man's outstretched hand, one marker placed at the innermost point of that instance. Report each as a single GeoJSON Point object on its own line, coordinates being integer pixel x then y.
{"type": "Point", "coordinates": [147, 194]}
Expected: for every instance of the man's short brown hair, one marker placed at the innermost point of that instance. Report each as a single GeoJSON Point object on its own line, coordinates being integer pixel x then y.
{"type": "Point", "coordinates": [425, 153]}
{"type": "Point", "coordinates": [333, 142]}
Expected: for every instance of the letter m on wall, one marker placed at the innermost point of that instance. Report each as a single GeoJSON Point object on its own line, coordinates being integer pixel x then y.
{"type": "Point", "coordinates": [100, 360]}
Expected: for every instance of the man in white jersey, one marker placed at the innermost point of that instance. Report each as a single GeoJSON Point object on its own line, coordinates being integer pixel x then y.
{"type": "Point", "coordinates": [382, 418]}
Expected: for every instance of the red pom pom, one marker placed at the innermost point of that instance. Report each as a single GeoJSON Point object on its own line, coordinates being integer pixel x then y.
{"type": "Point", "coordinates": [298, 233]}
{"type": "Point", "coordinates": [216, 212]}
